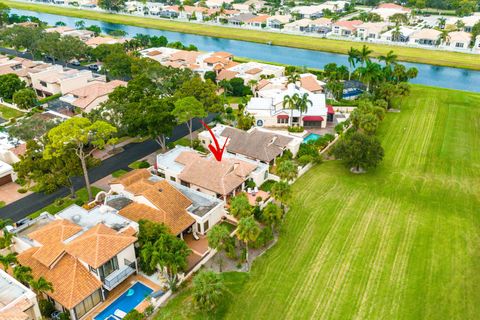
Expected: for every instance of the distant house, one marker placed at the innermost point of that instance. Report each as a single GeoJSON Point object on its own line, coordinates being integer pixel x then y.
{"type": "Point", "coordinates": [96, 41]}
{"type": "Point", "coordinates": [476, 45]}
{"type": "Point", "coordinates": [403, 35]}
{"type": "Point", "coordinates": [92, 95]}
{"type": "Point", "coordinates": [386, 10]}
{"type": "Point", "coordinates": [256, 144]}
{"type": "Point", "coordinates": [458, 40]}
{"type": "Point", "coordinates": [371, 30]}
{"type": "Point", "coordinates": [302, 25]}
{"type": "Point", "coordinates": [255, 71]}
{"type": "Point", "coordinates": [309, 12]}
{"type": "Point", "coordinates": [17, 302]}
{"type": "Point", "coordinates": [220, 179]}
{"type": "Point", "coordinates": [426, 37]}
{"type": "Point", "coordinates": [140, 195]}
{"type": "Point", "coordinates": [10, 150]}
{"type": "Point", "coordinates": [258, 21]}
{"type": "Point", "coordinates": [278, 21]}
{"type": "Point", "coordinates": [345, 28]}
{"type": "Point", "coordinates": [240, 19]}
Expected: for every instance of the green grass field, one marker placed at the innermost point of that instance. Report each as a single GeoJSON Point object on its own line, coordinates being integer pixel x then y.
{"type": "Point", "coordinates": [8, 113]}
{"type": "Point", "coordinates": [441, 58]}
{"type": "Point", "coordinates": [401, 242]}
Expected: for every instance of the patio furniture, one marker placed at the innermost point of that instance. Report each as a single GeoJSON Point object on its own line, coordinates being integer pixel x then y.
{"type": "Point", "coordinates": [119, 313]}
{"type": "Point", "coordinates": [249, 190]}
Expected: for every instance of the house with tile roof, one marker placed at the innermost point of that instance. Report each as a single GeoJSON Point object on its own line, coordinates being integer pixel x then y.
{"type": "Point", "coordinates": [386, 10]}
{"type": "Point", "coordinates": [345, 28]}
{"type": "Point", "coordinates": [256, 71]}
{"type": "Point", "coordinates": [219, 179]}
{"type": "Point", "coordinates": [139, 195]}
{"type": "Point", "coordinates": [83, 254]}
{"type": "Point", "coordinates": [371, 30]}
{"type": "Point", "coordinates": [458, 40]}
{"type": "Point", "coordinates": [17, 302]}
{"type": "Point", "coordinates": [90, 97]}
{"type": "Point", "coordinates": [426, 37]}
{"type": "Point", "coordinates": [257, 144]}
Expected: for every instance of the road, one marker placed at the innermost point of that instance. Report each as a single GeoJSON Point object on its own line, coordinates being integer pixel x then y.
{"type": "Point", "coordinates": [134, 151]}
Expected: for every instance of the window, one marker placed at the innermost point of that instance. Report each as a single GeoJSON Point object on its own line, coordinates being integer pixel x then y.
{"type": "Point", "coordinates": [86, 305]}
{"type": "Point", "coordinates": [173, 179]}
{"type": "Point", "coordinates": [459, 45]}
{"type": "Point", "coordinates": [108, 268]}
{"type": "Point", "coordinates": [282, 121]}
{"type": "Point", "coordinates": [43, 83]}
{"type": "Point", "coordinates": [161, 174]}
{"type": "Point", "coordinates": [205, 226]}
{"type": "Point", "coordinates": [93, 270]}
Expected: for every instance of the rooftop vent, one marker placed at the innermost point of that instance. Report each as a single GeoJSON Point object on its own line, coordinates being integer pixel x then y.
{"type": "Point", "coordinates": [76, 218]}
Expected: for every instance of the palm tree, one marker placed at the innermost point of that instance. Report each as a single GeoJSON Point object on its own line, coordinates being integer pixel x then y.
{"type": "Point", "coordinates": [252, 83]}
{"type": "Point", "coordinates": [287, 170]}
{"type": "Point", "coordinates": [218, 238]}
{"type": "Point", "coordinates": [369, 73]}
{"type": "Point", "coordinates": [396, 33]}
{"type": "Point", "coordinates": [226, 86]}
{"type": "Point", "coordinates": [353, 58]}
{"type": "Point", "coordinates": [41, 285]}
{"type": "Point", "coordinates": [7, 260]}
{"type": "Point", "coordinates": [282, 192]}
{"type": "Point", "coordinates": [272, 214]}
{"type": "Point", "coordinates": [303, 102]}
{"type": "Point", "coordinates": [23, 274]}
{"type": "Point", "coordinates": [240, 207]}
{"type": "Point", "coordinates": [389, 59]}
{"type": "Point", "coordinates": [4, 223]}
{"type": "Point", "coordinates": [441, 22]}
{"type": "Point", "coordinates": [443, 37]}
{"type": "Point", "coordinates": [364, 55]}
{"type": "Point", "coordinates": [208, 290]}
{"type": "Point", "coordinates": [293, 78]}
{"type": "Point", "coordinates": [290, 102]}
{"type": "Point", "coordinates": [460, 24]}
{"type": "Point", "coordinates": [247, 231]}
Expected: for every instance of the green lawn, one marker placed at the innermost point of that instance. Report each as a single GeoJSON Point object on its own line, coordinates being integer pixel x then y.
{"type": "Point", "coordinates": [400, 242]}
{"type": "Point", "coordinates": [7, 113]}
{"type": "Point", "coordinates": [443, 58]}
{"type": "Point", "coordinates": [119, 173]}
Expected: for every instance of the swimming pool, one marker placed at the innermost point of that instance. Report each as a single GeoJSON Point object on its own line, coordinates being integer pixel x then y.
{"type": "Point", "coordinates": [311, 137]}
{"type": "Point", "coordinates": [125, 302]}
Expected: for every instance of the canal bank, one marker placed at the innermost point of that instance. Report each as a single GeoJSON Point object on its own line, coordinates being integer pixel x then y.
{"type": "Point", "coordinates": [446, 77]}
{"type": "Point", "coordinates": [432, 57]}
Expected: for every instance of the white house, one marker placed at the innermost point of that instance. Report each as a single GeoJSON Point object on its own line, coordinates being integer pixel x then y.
{"type": "Point", "coordinates": [256, 71]}
{"type": "Point", "coordinates": [278, 21]}
{"type": "Point", "coordinates": [371, 30]}
{"type": "Point", "coordinates": [386, 10]}
{"type": "Point", "coordinates": [403, 35]}
{"type": "Point", "coordinates": [345, 28]}
{"type": "Point", "coordinates": [16, 300]}
{"type": "Point", "coordinates": [427, 37]}
{"type": "Point", "coordinates": [458, 40]}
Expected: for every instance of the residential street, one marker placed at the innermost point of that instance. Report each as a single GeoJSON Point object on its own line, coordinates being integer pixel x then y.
{"type": "Point", "coordinates": [134, 151]}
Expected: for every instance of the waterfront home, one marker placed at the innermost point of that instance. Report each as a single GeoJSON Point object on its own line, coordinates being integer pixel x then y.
{"type": "Point", "coordinates": [268, 110]}
{"type": "Point", "coordinates": [401, 35]}
{"type": "Point", "coordinates": [56, 79]}
{"type": "Point", "coordinates": [257, 21]}
{"type": "Point", "coordinates": [96, 41]}
{"type": "Point", "coordinates": [345, 28]}
{"type": "Point", "coordinates": [68, 31]}
{"type": "Point", "coordinates": [240, 19]}
{"type": "Point", "coordinates": [321, 26]}
{"type": "Point", "coordinates": [219, 179]}
{"type": "Point", "coordinates": [468, 21]}
{"type": "Point", "coordinates": [426, 37]}
{"type": "Point", "coordinates": [386, 10]}
{"type": "Point", "coordinates": [278, 21]}
{"type": "Point", "coordinates": [140, 195]}
{"type": "Point", "coordinates": [302, 25]}
{"type": "Point", "coordinates": [17, 302]}
{"type": "Point", "coordinates": [458, 40]}
{"type": "Point", "coordinates": [255, 71]}
{"type": "Point", "coordinates": [371, 30]}
{"type": "Point", "coordinates": [256, 144]}
{"type": "Point", "coordinates": [90, 97]}
{"type": "Point", "coordinates": [84, 254]}
{"type": "Point", "coordinates": [309, 12]}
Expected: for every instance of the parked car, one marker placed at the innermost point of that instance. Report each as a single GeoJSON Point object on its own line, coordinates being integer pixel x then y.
{"type": "Point", "coordinates": [75, 62]}
{"type": "Point", "coordinates": [94, 67]}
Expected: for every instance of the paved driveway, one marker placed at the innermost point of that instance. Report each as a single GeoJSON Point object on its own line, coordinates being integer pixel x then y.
{"type": "Point", "coordinates": [9, 193]}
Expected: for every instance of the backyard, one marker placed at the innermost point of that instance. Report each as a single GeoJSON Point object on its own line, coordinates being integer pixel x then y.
{"type": "Point", "coordinates": [400, 242]}
{"type": "Point", "coordinates": [435, 57]}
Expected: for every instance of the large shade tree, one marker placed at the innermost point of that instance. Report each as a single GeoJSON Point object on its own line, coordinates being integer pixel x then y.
{"type": "Point", "coordinates": [186, 109]}
{"type": "Point", "coordinates": [81, 137]}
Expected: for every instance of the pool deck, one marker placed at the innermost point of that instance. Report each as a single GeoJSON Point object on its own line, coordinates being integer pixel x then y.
{"type": "Point", "coordinates": [119, 290]}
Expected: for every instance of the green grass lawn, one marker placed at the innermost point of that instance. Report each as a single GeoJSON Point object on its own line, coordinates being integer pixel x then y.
{"type": "Point", "coordinates": [119, 173]}
{"type": "Point", "coordinates": [400, 242]}
{"type": "Point", "coordinates": [7, 113]}
{"type": "Point", "coordinates": [443, 58]}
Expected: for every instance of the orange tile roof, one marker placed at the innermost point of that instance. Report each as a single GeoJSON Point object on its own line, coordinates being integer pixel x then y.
{"type": "Point", "coordinates": [55, 231]}
{"type": "Point", "coordinates": [261, 18]}
{"type": "Point", "coordinates": [71, 281]}
{"type": "Point", "coordinates": [350, 24]}
{"type": "Point", "coordinates": [98, 245]}
{"type": "Point", "coordinates": [253, 71]}
{"type": "Point", "coordinates": [223, 54]}
{"type": "Point", "coordinates": [94, 90]}
{"type": "Point", "coordinates": [310, 83]}
{"type": "Point", "coordinates": [153, 53]}
{"type": "Point", "coordinates": [220, 177]}
{"type": "Point", "coordinates": [226, 75]}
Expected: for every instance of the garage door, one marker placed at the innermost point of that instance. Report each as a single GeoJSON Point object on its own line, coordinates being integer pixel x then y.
{"type": "Point", "coordinates": [6, 179]}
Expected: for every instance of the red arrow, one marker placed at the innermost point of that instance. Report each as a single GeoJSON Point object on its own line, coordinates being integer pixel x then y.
{"type": "Point", "coordinates": [217, 152]}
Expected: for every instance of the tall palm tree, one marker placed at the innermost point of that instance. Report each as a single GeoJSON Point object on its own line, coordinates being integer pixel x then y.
{"type": "Point", "coordinates": [389, 59]}
{"type": "Point", "coordinates": [353, 58]}
{"type": "Point", "coordinates": [252, 83]}
{"type": "Point", "coordinates": [365, 55]}
{"type": "Point", "coordinates": [369, 73]}
{"type": "Point", "coordinates": [282, 192]}
{"type": "Point", "coordinates": [303, 102]}
{"type": "Point", "coordinates": [290, 102]}
{"type": "Point", "coordinates": [293, 78]}
{"type": "Point", "coordinates": [247, 231]}
{"type": "Point", "coordinates": [7, 260]}
{"type": "Point", "coordinates": [396, 33]}
{"type": "Point", "coordinates": [460, 24]}
{"type": "Point", "coordinates": [23, 274]}
{"type": "Point", "coordinates": [41, 285]}
{"type": "Point", "coordinates": [208, 290]}
{"type": "Point", "coordinates": [441, 22]}
{"type": "Point", "coordinates": [443, 37]}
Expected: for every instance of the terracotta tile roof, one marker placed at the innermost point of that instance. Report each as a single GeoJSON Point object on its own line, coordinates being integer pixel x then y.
{"type": "Point", "coordinates": [184, 55]}
{"type": "Point", "coordinates": [153, 53]}
{"type": "Point", "coordinates": [253, 71]}
{"type": "Point", "coordinates": [96, 89]}
{"type": "Point", "coordinates": [13, 314]}
{"type": "Point", "coordinates": [71, 281]}
{"type": "Point", "coordinates": [261, 18]}
{"type": "Point", "coordinates": [220, 177]}
{"type": "Point", "coordinates": [393, 6]}
{"type": "Point", "coordinates": [310, 83]}
{"type": "Point", "coordinates": [226, 75]}
{"type": "Point", "coordinates": [170, 204]}
{"type": "Point", "coordinates": [262, 83]}
{"type": "Point", "coordinates": [98, 245]}
{"type": "Point", "coordinates": [49, 253]}
{"type": "Point", "coordinates": [129, 231]}
{"type": "Point", "coordinates": [223, 54]}
{"type": "Point", "coordinates": [348, 24]}
{"type": "Point", "coordinates": [56, 231]}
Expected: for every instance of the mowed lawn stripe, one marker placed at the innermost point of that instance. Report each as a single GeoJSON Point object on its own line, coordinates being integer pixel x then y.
{"type": "Point", "coordinates": [400, 242]}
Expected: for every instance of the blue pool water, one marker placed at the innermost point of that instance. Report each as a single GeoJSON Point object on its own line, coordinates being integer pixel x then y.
{"type": "Point", "coordinates": [311, 137]}
{"type": "Point", "coordinates": [124, 303]}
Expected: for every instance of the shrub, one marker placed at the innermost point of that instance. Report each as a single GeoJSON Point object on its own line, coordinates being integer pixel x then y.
{"type": "Point", "coordinates": [143, 165]}
{"type": "Point", "coordinates": [329, 137]}
{"type": "Point", "coordinates": [46, 308]}
{"type": "Point", "coordinates": [257, 213]}
{"type": "Point", "coordinates": [305, 159]}
{"type": "Point", "coordinates": [134, 315]}
{"type": "Point", "coordinates": [295, 129]}
{"type": "Point", "coordinates": [79, 202]}
{"type": "Point", "coordinates": [22, 190]}
{"type": "Point", "coordinates": [267, 185]}
{"type": "Point", "coordinates": [20, 181]}
{"type": "Point", "coordinates": [339, 127]}
{"type": "Point", "coordinates": [250, 184]}
{"type": "Point", "coordinates": [263, 239]}
{"type": "Point", "coordinates": [64, 316]}
{"type": "Point", "coordinates": [229, 110]}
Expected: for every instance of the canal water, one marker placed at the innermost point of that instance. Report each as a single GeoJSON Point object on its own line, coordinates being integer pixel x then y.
{"type": "Point", "coordinates": [445, 77]}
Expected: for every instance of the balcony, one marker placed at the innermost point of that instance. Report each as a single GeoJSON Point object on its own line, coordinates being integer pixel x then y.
{"type": "Point", "coordinates": [117, 276]}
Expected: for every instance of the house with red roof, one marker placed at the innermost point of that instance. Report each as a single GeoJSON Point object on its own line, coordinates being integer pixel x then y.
{"type": "Point", "coordinates": [345, 28]}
